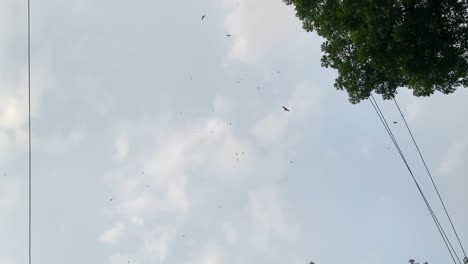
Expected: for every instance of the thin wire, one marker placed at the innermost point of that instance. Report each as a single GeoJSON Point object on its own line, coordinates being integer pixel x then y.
{"type": "Point", "coordinates": [430, 176]}
{"type": "Point", "coordinates": [447, 242]}
{"type": "Point", "coordinates": [29, 126]}
{"type": "Point", "coordinates": [395, 142]}
{"type": "Point", "coordinates": [434, 217]}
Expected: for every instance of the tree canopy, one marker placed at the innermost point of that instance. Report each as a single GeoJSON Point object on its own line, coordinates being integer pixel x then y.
{"type": "Point", "coordinates": [383, 45]}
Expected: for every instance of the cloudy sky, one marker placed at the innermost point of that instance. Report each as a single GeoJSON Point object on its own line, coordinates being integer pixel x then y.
{"type": "Point", "coordinates": [158, 139]}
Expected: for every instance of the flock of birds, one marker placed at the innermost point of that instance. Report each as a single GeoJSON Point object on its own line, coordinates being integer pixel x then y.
{"type": "Point", "coordinates": [228, 35]}
{"type": "Point", "coordinates": [286, 109]}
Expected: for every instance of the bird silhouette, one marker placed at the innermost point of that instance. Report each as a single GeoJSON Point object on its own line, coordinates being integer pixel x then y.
{"type": "Point", "coordinates": [203, 17]}
{"type": "Point", "coordinates": [228, 35]}
{"type": "Point", "coordinates": [395, 122]}
{"type": "Point", "coordinates": [285, 109]}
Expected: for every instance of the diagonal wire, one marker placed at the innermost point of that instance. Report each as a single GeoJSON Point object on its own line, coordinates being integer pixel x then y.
{"type": "Point", "coordinates": [434, 217]}
{"type": "Point", "coordinates": [447, 242]}
{"type": "Point", "coordinates": [430, 176]}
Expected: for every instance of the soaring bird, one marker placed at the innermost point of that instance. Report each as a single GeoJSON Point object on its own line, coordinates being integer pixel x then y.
{"type": "Point", "coordinates": [285, 109]}
{"type": "Point", "coordinates": [203, 17]}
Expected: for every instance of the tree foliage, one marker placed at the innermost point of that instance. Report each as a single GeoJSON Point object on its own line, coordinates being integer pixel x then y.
{"type": "Point", "coordinates": [381, 45]}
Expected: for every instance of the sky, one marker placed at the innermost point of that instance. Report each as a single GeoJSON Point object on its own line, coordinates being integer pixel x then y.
{"type": "Point", "coordinates": [156, 138]}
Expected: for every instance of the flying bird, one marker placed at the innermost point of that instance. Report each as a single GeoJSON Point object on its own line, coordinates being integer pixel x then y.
{"type": "Point", "coordinates": [228, 35]}
{"type": "Point", "coordinates": [285, 109]}
{"type": "Point", "coordinates": [395, 122]}
{"type": "Point", "coordinates": [203, 17]}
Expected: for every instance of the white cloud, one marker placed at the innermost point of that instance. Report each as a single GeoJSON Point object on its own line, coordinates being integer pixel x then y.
{"type": "Point", "coordinates": [96, 96]}
{"type": "Point", "coordinates": [272, 127]}
{"type": "Point", "coordinates": [303, 100]}
{"type": "Point", "coordinates": [255, 33]}
{"type": "Point", "coordinates": [208, 254]}
{"type": "Point", "coordinates": [203, 146]}
{"type": "Point", "coordinates": [112, 235]}
{"type": "Point", "coordinates": [7, 260]}
{"type": "Point", "coordinates": [268, 213]}
{"type": "Point", "coordinates": [222, 105]}
{"type": "Point", "coordinates": [454, 157]}
{"type": "Point", "coordinates": [121, 146]}
{"type": "Point", "coordinates": [156, 245]}
{"type": "Point", "coordinates": [10, 193]}
{"type": "Point", "coordinates": [59, 142]}
{"type": "Point", "coordinates": [121, 259]}
{"type": "Point", "coordinates": [14, 108]}
{"type": "Point", "coordinates": [207, 146]}
{"type": "Point", "coordinates": [366, 149]}
{"type": "Point", "coordinates": [230, 233]}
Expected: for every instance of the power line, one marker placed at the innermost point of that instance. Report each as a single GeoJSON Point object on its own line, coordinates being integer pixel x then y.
{"type": "Point", "coordinates": [446, 240]}
{"type": "Point", "coordinates": [430, 176]}
{"type": "Point", "coordinates": [29, 129]}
